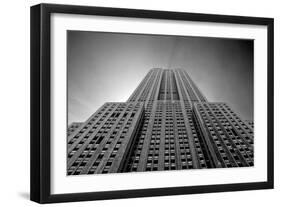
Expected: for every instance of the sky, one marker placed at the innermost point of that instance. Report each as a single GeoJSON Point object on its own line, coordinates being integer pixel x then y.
{"type": "Point", "coordinates": [107, 67]}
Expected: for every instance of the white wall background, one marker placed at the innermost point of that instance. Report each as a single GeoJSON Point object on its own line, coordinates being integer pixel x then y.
{"type": "Point", "coordinates": [14, 114]}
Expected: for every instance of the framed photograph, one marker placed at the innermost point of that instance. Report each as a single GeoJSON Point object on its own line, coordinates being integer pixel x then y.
{"type": "Point", "coordinates": [132, 103]}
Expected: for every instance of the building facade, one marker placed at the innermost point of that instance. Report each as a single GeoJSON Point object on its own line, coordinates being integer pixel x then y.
{"type": "Point", "coordinates": [72, 127]}
{"type": "Point", "coordinates": [166, 124]}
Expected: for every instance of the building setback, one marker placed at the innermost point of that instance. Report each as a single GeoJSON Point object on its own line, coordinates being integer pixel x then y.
{"type": "Point", "coordinates": [166, 124]}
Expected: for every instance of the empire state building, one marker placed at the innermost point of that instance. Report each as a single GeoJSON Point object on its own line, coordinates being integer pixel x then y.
{"type": "Point", "coordinates": [166, 124]}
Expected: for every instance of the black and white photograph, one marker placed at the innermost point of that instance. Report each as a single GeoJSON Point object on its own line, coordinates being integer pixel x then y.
{"type": "Point", "coordinates": [145, 102]}
{"type": "Point", "coordinates": [129, 103]}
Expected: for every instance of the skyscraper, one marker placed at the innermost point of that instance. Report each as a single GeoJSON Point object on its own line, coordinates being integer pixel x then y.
{"type": "Point", "coordinates": [166, 124]}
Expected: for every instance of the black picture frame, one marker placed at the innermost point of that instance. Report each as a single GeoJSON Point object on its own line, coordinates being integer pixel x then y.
{"type": "Point", "coordinates": [41, 98]}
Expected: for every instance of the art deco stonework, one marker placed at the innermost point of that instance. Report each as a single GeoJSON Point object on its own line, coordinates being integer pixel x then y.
{"type": "Point", "coordinates": [166, 124]}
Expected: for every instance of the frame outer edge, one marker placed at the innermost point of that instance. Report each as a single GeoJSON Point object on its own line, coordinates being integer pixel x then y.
{"type": "Point", "coordinates": [45, 103]}
{"type": "Point", "coordinates": [35, 135]}
{"type": "Point", "coordinates": [270, 85]}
